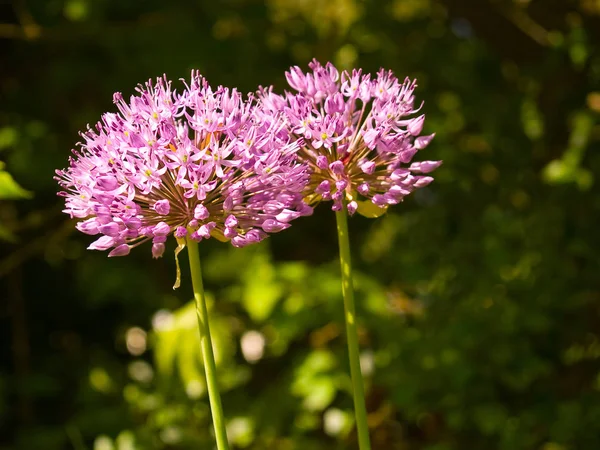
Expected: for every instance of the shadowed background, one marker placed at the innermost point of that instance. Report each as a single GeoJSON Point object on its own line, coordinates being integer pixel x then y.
{"type": "Point", "coordinates": [479, 296]}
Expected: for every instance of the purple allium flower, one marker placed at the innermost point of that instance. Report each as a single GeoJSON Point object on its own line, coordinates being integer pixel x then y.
{"type": "Point", "coordinates": [357, 133]}
{"type": "Point", "coordinates": [200, 163]}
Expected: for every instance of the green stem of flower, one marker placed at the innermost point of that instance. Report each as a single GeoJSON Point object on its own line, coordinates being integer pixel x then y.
{"type": "Point", "coordinates": [206, 346]}
{"type": "Point", "coordinates": [360, 410]}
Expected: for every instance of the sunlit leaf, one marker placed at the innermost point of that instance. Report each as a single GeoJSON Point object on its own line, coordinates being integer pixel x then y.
{"type": "Point", "coordinates": [320, 395]}
{"type": "Point", "coordinates": [189, 359]}
{"type": "Point", "coordinates": [368, 209]}
{"type": "Point", "coordinates": [8, 138]}
{"type": "Point", "coordinates": [6, 234]}
{"type": "Point", "coordinates": [568, 168]}
{"type": "Point", "coordinates": [10, 189]}
{"type": "Point", "coordinates": [262, 290]}
{"type": "Point", "coordinates": [218, 235]}
{"type": "Point", "coordinates": [165, 350]}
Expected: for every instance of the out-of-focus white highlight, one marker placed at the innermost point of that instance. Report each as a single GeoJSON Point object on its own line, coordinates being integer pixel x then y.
{"type": "Point", "coordinates": [136, 341]}
{"type": "Point", "coordinates": [253, 346]}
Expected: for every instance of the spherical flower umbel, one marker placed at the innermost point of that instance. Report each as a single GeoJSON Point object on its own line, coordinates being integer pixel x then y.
{"type": "Point", "coordinates": [199, 163]}
{"type": "Point", "coordinates": [358, 135]}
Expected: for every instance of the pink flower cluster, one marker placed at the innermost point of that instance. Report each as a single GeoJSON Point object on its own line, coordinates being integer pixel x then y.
{"type": "Point", "coordinates": [357, 133]}
{"type": "Point", "coordinates": [201, 163]}
{"type": "Point", "coordinates": [204, 163]}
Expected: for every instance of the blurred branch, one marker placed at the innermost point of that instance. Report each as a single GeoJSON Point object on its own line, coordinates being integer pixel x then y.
{"type": "Point", "coordinates": [75, 437]}
{"type": "Point", "coordinates": [35, 246]}
{"type": "Point", "coordinates": [27, 28]}
{"type": "Point", "coordinates": [30, 27]}
{"type": "Point", "coordinates": [508, 32]}
{"type": "Point", "coordinates": [20, 343]}
{"type": "Point", "coordinates": [524, 22]}
{"type": "Point", "coordinates": [39, 218]}
{"type": "Point", "coordinates": [12, 31]}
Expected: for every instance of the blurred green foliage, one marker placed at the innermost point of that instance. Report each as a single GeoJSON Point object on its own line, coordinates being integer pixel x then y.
{"type": "Point", "coordinates": [478, 297]}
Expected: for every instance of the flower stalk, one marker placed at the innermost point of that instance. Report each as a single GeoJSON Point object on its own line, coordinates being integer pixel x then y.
{"type": "Point", "coordinates": [360, 410]}
{"type": "Point", "coordinates": [357, 133]}
{"type": "Point", "coordinates": [206, 345]}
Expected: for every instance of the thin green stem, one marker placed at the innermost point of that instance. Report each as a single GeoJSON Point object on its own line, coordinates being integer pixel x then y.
{"type": "Point", "coordinates": [206, 346]}
{"type": "Point", "coordinates": [360, 410]}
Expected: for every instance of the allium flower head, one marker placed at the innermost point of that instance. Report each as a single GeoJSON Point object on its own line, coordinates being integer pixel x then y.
{"type": "Point", "coordinates": [200, 163]}
{"type": "Point", "coordinates": [358, 134]}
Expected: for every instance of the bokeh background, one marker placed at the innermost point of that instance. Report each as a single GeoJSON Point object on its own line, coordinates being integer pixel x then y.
{"type": "Point", "coordinates": [479, 296]}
